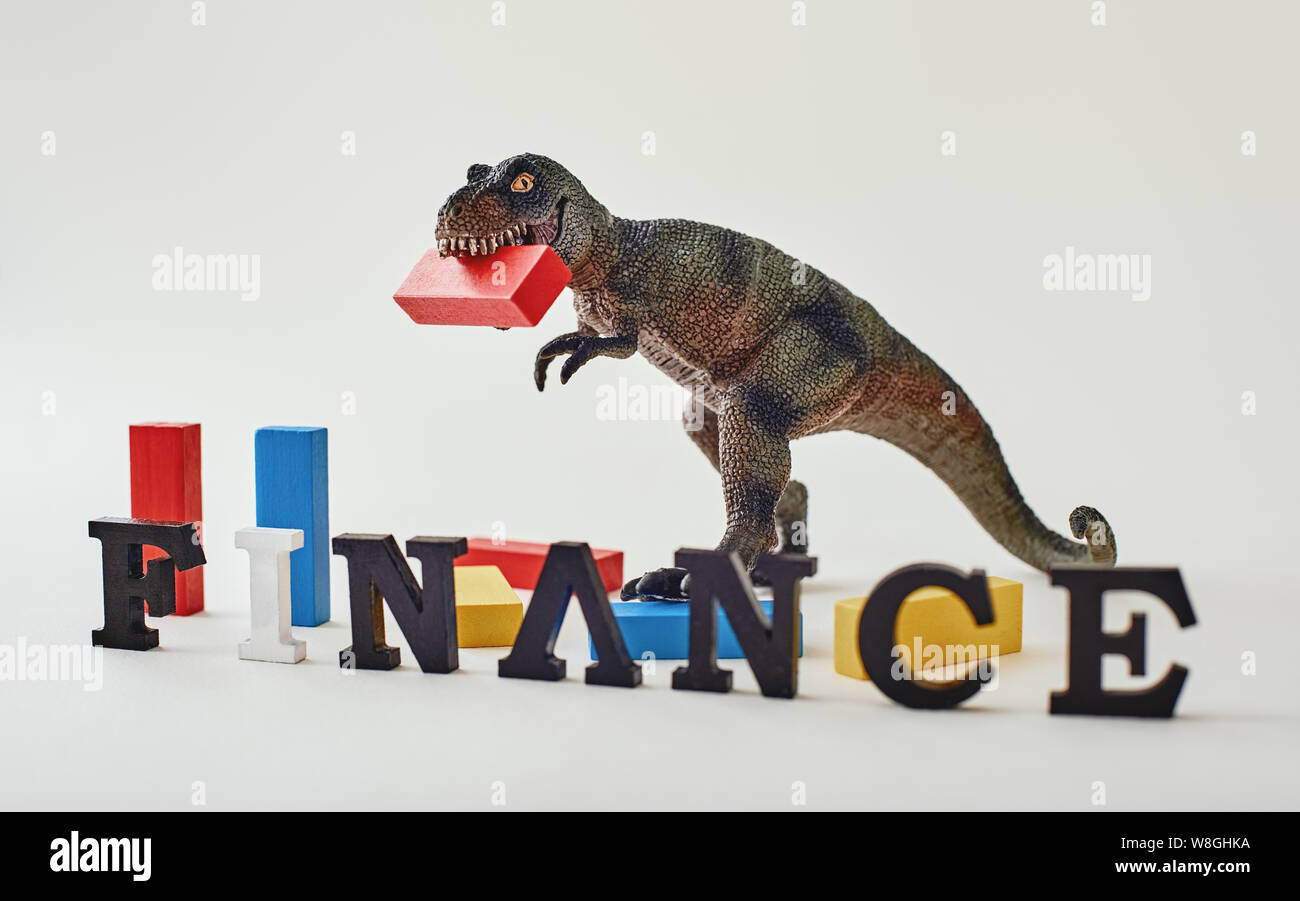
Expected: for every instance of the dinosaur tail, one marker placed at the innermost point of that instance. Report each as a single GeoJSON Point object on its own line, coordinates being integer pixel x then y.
{"type": "Point", "coordinates": [931, 418]}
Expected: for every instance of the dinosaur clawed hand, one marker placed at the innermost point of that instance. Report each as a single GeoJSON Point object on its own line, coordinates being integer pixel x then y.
{"type": "Point", "coordinates": [669, 584]}
{"type": "Point", "coordinates": [581, 349]}
{"type": "Point", "coordinates": [565, 344]}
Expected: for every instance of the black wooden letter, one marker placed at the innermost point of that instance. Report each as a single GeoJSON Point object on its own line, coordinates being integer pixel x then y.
{"type": "Point", "coordinates": [377, 572]}
{"type": "Point", "coordinates": [877, 627]}
{"type": "Point", "coordinates": [127, 583]}
{"type": "Point", "coordinates": [771, 648]}
{"type": "Point", "coordinates": [1088, 642]}
{"type": "Point", "coordinates": [569, 570]}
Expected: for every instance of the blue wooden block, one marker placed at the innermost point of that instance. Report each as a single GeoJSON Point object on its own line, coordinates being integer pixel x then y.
{"type": "Point", "coordinates": [292, 475]}
{"type": "Point", "coordinates": [662, 629]}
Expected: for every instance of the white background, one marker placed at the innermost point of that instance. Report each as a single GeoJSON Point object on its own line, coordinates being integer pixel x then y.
{"type": "Point", "coordinates": [824, 139]}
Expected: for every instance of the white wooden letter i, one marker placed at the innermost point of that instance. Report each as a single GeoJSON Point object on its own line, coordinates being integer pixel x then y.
{"type": "Point", "coordinates": [268, 567]}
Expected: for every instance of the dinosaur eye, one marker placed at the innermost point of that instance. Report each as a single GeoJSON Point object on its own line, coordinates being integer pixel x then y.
{"type": "Point", "coordinates": [523, 182]}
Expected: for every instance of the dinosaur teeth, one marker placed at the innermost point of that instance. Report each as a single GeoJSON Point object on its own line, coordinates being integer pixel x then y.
{"type": "Point", "coordinates": [485, 244]}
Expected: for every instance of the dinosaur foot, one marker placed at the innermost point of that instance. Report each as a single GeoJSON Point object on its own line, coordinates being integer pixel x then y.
{"type": "Point", "coordinates": [759, 579]}
{"type": "Point", "coordinates": [672, 584]}
{"type": "Point", "coordinates": [669, 584]}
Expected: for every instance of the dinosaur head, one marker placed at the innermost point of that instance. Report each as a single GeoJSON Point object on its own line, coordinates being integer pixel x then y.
{"type": "Point", "coordinates": [526, 199]}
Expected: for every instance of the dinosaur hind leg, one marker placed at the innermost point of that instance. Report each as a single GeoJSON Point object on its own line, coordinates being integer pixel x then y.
{"type": "Point", "coordinates": [789, 519]}
{"type": "Point", "coordinates": [792, 518]}
{"type": "Point", "coordinates": [755, 473]}
{"type": "Point", "coordinates": [701, 427]}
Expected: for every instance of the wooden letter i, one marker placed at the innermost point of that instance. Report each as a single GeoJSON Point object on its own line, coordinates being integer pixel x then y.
{"type": "Point", "coordinates": [268, 566]}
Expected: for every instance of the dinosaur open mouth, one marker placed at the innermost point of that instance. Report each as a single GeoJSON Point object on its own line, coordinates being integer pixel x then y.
{"type": "Point", "coordinates": [545, 231]}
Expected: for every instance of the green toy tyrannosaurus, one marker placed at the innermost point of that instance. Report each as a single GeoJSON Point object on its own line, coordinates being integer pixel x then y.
{"type": "Point", "coordinates": [772, 349]}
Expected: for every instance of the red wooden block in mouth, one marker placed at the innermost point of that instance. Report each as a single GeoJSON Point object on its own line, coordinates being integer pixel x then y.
{"type": "Point", "coordinates": [514, 286]}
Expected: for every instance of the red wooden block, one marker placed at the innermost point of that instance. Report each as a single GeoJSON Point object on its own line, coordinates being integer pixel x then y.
{"type": "Point", "coordinates": [521, 561]}
{"type": "Point", "coordinates": [514, 286]}
{"type": "Point", "coordinates": [166, 484]}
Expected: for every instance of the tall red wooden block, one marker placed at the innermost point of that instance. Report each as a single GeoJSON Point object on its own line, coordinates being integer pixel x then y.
{"type": "Point", "coordinates": [521, 561]}
{"type": "Point", "coordinates": [166, 484]}
{"type": "Point", "coordinates": [514, 286]}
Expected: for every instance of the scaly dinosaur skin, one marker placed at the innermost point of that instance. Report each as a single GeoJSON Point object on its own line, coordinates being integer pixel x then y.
{"type": "Point", "coordinates": [773, 350]}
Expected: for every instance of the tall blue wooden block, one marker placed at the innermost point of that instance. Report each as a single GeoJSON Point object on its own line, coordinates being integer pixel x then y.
{"type": "Point", "coordinates": [292, 475]}
{"type": "Point", "coordinates": [662, 628]}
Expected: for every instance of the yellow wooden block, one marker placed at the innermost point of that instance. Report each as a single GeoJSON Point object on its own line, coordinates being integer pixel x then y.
{"type": "Point", "coordinates": [488, 612]}
{"type": "Point", "coordinates": [935, 616]}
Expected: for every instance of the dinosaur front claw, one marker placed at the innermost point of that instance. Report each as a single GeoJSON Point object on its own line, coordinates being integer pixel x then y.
{"type": "Point", "coordinates": [564, 344]}
{"type": "Point", "coordinates": [586, 350]}
{"type": "Point", "coordinates": [582, 349]}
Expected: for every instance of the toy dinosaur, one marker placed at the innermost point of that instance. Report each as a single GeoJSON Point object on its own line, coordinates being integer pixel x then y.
{"type": "Point", "coordinates": [772, 349]}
